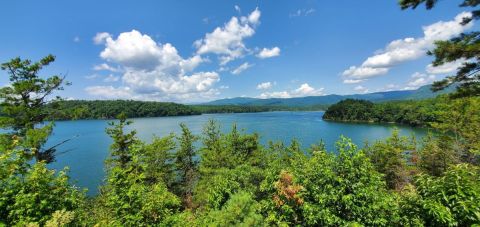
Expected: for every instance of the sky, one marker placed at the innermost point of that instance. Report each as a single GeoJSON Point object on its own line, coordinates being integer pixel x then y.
{"type": "Point", "coordinates": [196, 51]}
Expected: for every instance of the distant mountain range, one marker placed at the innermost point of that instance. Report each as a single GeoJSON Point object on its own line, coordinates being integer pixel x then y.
{"type": "Point", "coordinates": [423, 92]}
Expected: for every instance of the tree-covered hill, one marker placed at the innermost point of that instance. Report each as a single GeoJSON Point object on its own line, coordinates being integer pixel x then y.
{"type": "Point", "coordinates": [107, 109]}
{"type": "Point", "coordinates": [411, 112]}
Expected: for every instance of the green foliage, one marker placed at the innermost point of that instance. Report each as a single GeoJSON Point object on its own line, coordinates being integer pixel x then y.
{"type": "Point", "coordinates": [391, 158]}
{"type": "Point", "coordinates": [459, 121]}
{"type": "Point", "coordinates": [186, 165]}
{"type": "Point", "coordinates": [30, 193]}
{"type": "Point", "coordinates": [329, 189]}
{"type": "Point", "coordinates": [350, 110]}
{"type": "Point", "coordinates": [23, 106]}
{"type": "Point", "coordinates": [36, 195]}
{"type": "Point", "coordinates": [415, 113]}
{"type": "Point", "coordinates": [452, 199]}
{"type": "Point", "coordinates": [133, 195]}
{"type": "Point", "coordinates": [108, 109]}
{"type": "Point", "coordinates": [240, 210]}
{"type": "Point", "coordinates": [436, 155]}
{"type": "Point", "coordinates": [121, 141]}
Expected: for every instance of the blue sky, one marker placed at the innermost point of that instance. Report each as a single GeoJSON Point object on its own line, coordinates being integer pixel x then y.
{"type": "Point", "coordinates": [193, 51]}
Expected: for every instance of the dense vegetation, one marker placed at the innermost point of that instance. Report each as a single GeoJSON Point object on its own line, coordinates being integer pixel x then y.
{"type": "Point", "coordinates": [217, 179]}
{"type": "Point", "coordinates": [411, 112]}
{"type": "Point", "coordinates": [109, 109]}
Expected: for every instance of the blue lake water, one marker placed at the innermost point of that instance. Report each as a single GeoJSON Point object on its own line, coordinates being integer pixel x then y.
{"type": "Point", "coordinates": [85, 154]}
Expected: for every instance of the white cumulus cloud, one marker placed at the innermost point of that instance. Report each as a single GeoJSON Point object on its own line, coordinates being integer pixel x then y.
{"type": "Point", "coordinates": [228, 41]}
{"type": "Point", "coordinates": [268, 53]}
{"type": "Point", "coordinates": [358, 74]}
{"type": "Point", "coordinates": [152, 70]}
{"type": "Point", "coordinates": [304, 90]}
{"type": "Point", "coordinates": [101, 37]}
{"type": "Point", "coordinates": [408, 49]}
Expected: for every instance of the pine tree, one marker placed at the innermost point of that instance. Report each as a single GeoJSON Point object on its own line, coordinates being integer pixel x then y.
{"type": "Point", "coordinates": [186, 165]}
{"type": "Point", "coordinates": [24, 103]}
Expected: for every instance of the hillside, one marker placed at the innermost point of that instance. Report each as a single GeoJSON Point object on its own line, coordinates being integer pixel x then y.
{"type": "Point", "coordinates": [423, 92]}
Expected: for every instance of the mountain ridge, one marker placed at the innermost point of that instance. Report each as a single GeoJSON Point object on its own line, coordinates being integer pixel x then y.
{"type": "Point", "coordinates": [423, 92]}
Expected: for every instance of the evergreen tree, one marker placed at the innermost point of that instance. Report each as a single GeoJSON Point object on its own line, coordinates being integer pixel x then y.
{"type": "Point", "coordinates": [121, 140]}
{"type": "Point", "coordinates": [186, 165]}
{"type": "Point", "coordinates": [23, 105]}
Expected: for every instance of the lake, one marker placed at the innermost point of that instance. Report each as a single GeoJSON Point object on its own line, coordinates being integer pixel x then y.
{"type": "Point", "coordinates": [86, 152]}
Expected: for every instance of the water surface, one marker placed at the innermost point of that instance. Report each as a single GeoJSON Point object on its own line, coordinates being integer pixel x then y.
{"type": "Point", "coordinates": [86, 153]}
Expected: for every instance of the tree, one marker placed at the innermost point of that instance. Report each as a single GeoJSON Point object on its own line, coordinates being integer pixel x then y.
{"type": "Point", "coordinates": [459, 121]}
{"type": "Point", "coordinates": [391, 157]}
{"type": "Point", "coordinates": [24, 103]}
{"type": "Point", "coordinates": [329, 189]}
{"type": "Point", "coordinates": [240, 210]}
{"type": "Point", "coordinates": [463, 47]}
{"type": "Point", "coordinates": [452, 199]}
{"type": "Point", "coordinates": [121, 140]}
{"type": "Point", "coordinates": [186, 165]}
{"type": "Point", "coordinates": [130, 197]}
{"type": "Point", "coordinates": [436, 155]}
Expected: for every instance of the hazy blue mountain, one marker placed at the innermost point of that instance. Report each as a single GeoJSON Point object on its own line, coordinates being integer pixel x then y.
{"type": "Point", "coordinates": [423, 92]}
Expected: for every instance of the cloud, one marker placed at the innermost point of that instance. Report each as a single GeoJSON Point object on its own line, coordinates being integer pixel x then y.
{"type": "Point", "coordinates": [276, 94]}
{"type": "Point", "coordinates": [419, 79]}
{"type": "Point", "coordinates": [101, 37]}
{"type": "Point", "coordinates": [361, 89]}
{"type": "Point", "coordinates": [350, 81]}
{"type": "Point", "coordinates": [302, 12]}
{"type": "Point", "coordinates": [111, 78]}
{"type": "Point", "coordinates": [227, 41]}
{"type": "Point", "coordinates": [268, 53]}
{"type": "Point", "coordinates": [152, 71]}
{"type": "Point", "coordinates": [105, 66]}
{"type": "Point", "coordinates": [304, 90]}
{"type": "Point", "coordinates": [264, 86]}
{"type": "Point", "coordinates": [362, 73]}
{"type": "Point", "coordinates": [76, 39]}
{"type": "Point", "coordinates": [241, 68]}
{"type": "Point", "coordinates": [446, 68]}
{"type": "Point", "coordinates": [254, 17]}
{"type": "Point", "coordinates": [408, 49]}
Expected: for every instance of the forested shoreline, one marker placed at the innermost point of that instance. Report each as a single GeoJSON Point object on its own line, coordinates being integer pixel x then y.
{"type": "Point", "coordinates": [421, 113]}
{"type": "Point", "coordinates": [109, 109]}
